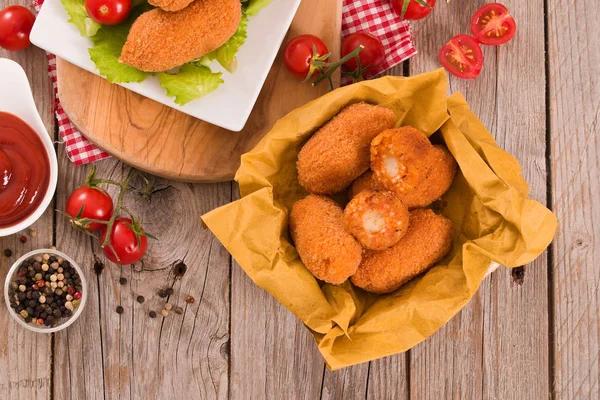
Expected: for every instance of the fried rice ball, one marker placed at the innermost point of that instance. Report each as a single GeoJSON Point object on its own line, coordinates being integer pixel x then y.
{"type": "Point", "coordinates": [377, 219]}
{"type": "Point", "coordinates": [160, 40]}
{"type": "Point", "coordinates": [441, 173]}
{"type": "Point", "coordinates": [399, 158]}
{"type": "Point", "coordinates": [428, 240]}
{"type": "Point", "coordinates": [364, 182]}
{"type": "Point", "coordinates": [339, 152]}
{"type": "Point", "coordinates": [327, 250]}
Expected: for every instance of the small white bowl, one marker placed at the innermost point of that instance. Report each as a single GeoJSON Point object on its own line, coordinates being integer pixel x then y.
{"type": "Point", "coordinates": [16, 99]}
{"type": "Point", "coordinates": [45, 329]}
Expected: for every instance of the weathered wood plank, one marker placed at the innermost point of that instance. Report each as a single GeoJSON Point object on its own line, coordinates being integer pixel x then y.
{"type": "Point", "coordinates": [516, 336]}
{"type": "Point", "coordinates": [273, 356]}
{"type": "Point", "coordinates": [347, 383]}
{"type": "Point", "coordinates": [26, 356]}
{"type": "Point", "coordinates": [388, 378]}
{"type": "Point", "coordinates": [497, 345]}
{"type": "Point", "coordinates": [131, 356]}
{"type": "Point", "coordinates": [574, 65]}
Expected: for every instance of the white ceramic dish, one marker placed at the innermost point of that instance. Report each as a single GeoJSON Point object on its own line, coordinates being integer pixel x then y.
{"type": "Point", "coordinates": [16, 99]}
{"type": "Point", "coordinates": [230, 105]}
{"type": "Point", "coordinates": [44, 329]}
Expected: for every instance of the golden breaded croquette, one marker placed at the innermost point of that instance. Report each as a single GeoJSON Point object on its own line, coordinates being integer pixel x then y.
{"type": "Point", "coordinates": [442, 169]}
{"type": "Point", "coordinates": [327, 250]}
{"type": "Point", "coordinates": [377, 219]}
{"type": "Point", "coordinates": [160, 40]}
{"type": "Point", "coordinates": [399, 158]}
{"type": "Point", "coordinates": [428, 240]}
{"type": "Point", "coordinates": [364, 182]}
{"type": "Point", "coordinates": [339, 152]}
{"type": "Point", "coordinates": [170, 5]}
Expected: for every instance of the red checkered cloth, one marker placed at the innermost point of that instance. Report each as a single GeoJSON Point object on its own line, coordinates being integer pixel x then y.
{"type": "Point", "coordinates": [79, 150]}
{"type": "Point", "coordinates": [374, 16]}
{"type": "Point", "coordinates": [379, 19]}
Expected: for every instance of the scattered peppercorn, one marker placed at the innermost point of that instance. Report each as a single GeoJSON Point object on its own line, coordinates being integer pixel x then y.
{"type": "Point", "coordinates": [120, 310]}
{"type": "Point", "coordinates": [178, 310]}
{"type": "Point", "coordinates": [190, 300]}
{"type": "Point", "coordinates": [164, 313]}
{"type": "Point", "coordinates": [32, 233]}
{"type": "Point", "coordinates": [152, 314]}
{"type": "Point", "coordinates": [169, 291]}
{"type": "Point", "coordinates": [140, 299]}
{"type": "Point", "coordinates": [168, 306]}
{"type": "Point", "coordinates": [180, 269]}
{"type": "Point", "coordinates": [7, 253]}
{"type": "Point", "coordinates": [23, 239]}
{"type": "Point", "coordinates": [122, 281]}
{"type": "Point", "coordinates": [162, 294]}
{"type": "Point", "coordinates": [98, 267]}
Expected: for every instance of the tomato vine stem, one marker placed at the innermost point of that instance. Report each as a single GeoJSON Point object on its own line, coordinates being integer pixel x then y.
{"type": "Point", "coordinates": [326, 69]}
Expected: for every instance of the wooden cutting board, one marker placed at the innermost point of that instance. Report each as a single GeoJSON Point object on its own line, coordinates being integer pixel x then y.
{"type": "Point", "coordinates": [168, 143]}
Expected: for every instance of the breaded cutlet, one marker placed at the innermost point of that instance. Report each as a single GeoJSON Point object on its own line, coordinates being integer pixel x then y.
{"type": "Point", "coordinates": [161, 40]}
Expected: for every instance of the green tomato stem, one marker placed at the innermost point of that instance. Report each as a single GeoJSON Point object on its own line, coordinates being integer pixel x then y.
{"type": "Point", "coordinates": [327, 69]}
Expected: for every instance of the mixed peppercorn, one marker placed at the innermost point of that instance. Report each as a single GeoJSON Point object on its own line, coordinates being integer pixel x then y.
{"type": "Point", "coordinates": [46, 290]}
{"type": "Point", "coordinates": [162, 293]}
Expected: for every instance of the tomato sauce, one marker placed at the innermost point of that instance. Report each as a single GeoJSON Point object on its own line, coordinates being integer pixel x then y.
{"type": "Point", "coordinates": [24, 170]}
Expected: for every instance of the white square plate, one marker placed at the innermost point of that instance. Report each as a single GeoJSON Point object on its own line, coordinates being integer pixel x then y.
{"type": "Point", "coordinates": [230, 105]}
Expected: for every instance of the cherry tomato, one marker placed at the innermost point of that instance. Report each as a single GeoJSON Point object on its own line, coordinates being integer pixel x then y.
{"type": "Point", "coordinates": [96, 204]}
{"type": "Point", "coordinates": [108, 12]}
{"type": "Point", "coordinates": [492, 25]}
{"type": "Point", "coordinates": [125, 242]}
{"type": "Point", "coordinates": [15, 25]}
{"type": "Point", "coordinates": [298, 54]}
{"type": "Point", "coordinates": [372, 56]}
{"type": "Point", "coordinates": [415, 10]}
{"type": "Point", "coordinates": [462, 57]}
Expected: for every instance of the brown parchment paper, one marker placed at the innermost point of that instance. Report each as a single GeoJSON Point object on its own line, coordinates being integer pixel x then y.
{"type": "Point", "coordinates": [494, 221]}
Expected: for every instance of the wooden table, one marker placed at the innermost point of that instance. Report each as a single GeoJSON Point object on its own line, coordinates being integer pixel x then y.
{"type": "Point", "coordinates": [529, 333]}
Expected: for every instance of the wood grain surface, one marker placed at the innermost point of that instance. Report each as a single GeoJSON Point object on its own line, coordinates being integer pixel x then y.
{"type": "Point", "coordinates": [529, 333]}
{"type": "Point", "coordinates": [574, 105]}
{"type": "Point", "coordinates": [168, 143]}
{"type": "Point", "coordinates": [26, 357]}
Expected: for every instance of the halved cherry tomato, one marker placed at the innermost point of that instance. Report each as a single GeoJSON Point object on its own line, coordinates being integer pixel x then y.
{"type": "Point", "coordinates": [462, 57]}
{"type": "Point", "coordinates": [492, 25]}
{"type": "Point", "coordinates": [415, 10]}
{"type": "Point", "coordinates": [371, 56]}
{"type": "Point", "coordinates": [15, 25]}
{"type": "Point", "coordinates": [298, 54]}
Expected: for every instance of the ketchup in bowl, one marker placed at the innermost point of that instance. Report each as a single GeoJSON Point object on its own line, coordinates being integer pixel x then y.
{"type": "Point", "coordinates": [24, 170]}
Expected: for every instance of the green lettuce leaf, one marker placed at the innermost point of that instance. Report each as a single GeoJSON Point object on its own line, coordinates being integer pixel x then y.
{"type": "Point", "coordinates": [191, 82]}
{"type": "Point", "coordinates": [254, 6]}
{"type": "Point", "coordinates": [80, 18]}
{"type": "Point", "coordinates": [108, 44]}
{"type": "Point", "coordinates": [225, 54]}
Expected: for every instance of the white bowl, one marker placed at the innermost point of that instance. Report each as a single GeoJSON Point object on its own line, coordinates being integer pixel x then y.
{"type": "Point", "coordinates": [16, 99]}
{"type": "Point", "coordinates": [44, 329]}
{"type": "Point", "coordinates": [230, 105]}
